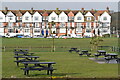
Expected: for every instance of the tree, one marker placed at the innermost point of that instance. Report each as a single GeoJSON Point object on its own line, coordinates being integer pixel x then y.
{"type": "Point", "coordinates": [95, 42]}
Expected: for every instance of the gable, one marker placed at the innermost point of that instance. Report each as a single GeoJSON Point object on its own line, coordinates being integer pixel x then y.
{"type": "Point", "coordinates": [79, 14]}
{"type": "Point", "coordinates": [10, 13]}
{"type": "Point", "coordinates": [36, 14]}
{"type": "Point", "coordinates": [70, 14]}
{"type": "Point", "coordinates": [105, 14]}
{"type": "Point", "coordinates": [62, 14]}
{"type": "Point", "coordinates": [53, 14]}
{"type": "Point", "coordinates": [88, 14]}
{"type": "Point", "coordinates": [27, 14]}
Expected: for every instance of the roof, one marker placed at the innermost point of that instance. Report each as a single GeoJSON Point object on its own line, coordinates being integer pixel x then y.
{"type": "Point", "coordinates": [48, 12]}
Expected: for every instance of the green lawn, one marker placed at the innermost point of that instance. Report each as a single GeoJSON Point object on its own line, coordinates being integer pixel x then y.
{"type": "Point", "coordinates": [67, 64]}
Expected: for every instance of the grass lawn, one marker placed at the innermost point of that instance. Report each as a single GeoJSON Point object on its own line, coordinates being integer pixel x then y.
{"type": "Point", "coordinates": [67, 64]}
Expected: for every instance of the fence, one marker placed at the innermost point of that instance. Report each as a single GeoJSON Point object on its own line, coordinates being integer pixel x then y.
{"type": "Point", "coordinates": [110, 48]}
{"type": "Point", "coordinates": [58, 48]}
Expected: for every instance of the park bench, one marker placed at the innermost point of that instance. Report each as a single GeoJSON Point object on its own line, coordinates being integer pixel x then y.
{"type": "Point", "coordinates": [38, 66]}
{"type": "Point", "coordinates": [84, 52]}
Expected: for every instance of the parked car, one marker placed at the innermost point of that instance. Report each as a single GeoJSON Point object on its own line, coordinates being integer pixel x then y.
{"type": "Point", "coordinates": [38, 36]}
{"type": "Point", "coordinates": [19, 36]}
{"type": "Point", "coordinates": [78, 36]}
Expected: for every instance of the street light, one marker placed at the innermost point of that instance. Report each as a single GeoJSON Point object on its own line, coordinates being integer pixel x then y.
{"type": "Point", "coordinates": [53, 36]}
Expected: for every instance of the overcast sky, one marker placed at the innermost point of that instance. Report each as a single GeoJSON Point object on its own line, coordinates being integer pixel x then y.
{"type": "Point", "coordinates": [61, 5]}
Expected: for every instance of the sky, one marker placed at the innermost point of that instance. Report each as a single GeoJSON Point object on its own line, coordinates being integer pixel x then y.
{"type": "Point", "coordinates": [17, 4]}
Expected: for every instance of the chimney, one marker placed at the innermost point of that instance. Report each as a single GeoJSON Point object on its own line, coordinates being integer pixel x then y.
{"type": "Point", "coordinates": [92, 9]}
{"type": "Point", "coordinates": [31, 10]}
{"type": "Point", "coordinates": [82, 9]}
{"type": "Point", "coordinates": [107, 8]}
{"type": "Point", "coordinates": [6, 10]}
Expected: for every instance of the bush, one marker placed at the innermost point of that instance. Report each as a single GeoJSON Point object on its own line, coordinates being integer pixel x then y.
{"type": "Point", "coordinates": [106, 35]}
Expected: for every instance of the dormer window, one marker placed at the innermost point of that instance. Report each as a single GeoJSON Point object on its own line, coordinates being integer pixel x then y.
{"type": "Point", "coordinates": [62, 18]}
{"type": "Point", "coordinates": [53, 18]}
{"type": "Point", "coordinates": [105, 18]}
{"type": "Point", "coordinates": [36, 18]}
{"type": "Point", "coordinates": [26, 18]}
{"type": "Point", "coordinates": [88, 18]}
{"type": "Point", "coordinates": [79, 18]}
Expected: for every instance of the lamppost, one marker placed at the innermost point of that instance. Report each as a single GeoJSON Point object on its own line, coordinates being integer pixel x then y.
{"type": "Point", "coordinates": [53, 36]}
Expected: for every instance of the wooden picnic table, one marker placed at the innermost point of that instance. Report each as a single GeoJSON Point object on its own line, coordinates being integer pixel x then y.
{"type": "Point", "coordinates": [25, 59]}
{"type": "Point", "coordinates": [73, 49]}
{"type": "Point", "coordinates": [112, 55]}
{"type": "Point", "coordinates": [84, 52]}
{"type": "Point", "coordinates": [38, 66]}
{"type": "Point", "coordinates": [101, 52]}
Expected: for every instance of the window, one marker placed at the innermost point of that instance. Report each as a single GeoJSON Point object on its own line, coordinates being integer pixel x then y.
{"type": "Point", "coordinates": [71, 18]}
{"type": "Point", "coordinates": [53, 18]}
{"type": "Point", "coordinates": [62, 18]}
{"type": "Point", "coordinates": [36, 18]}
{"type": "Point", "coordinates": [104, 31]}
{"type": "Point", "coordinates": [88, 30]}
{"type": "Point", "coordinates": [36, 24]}
{"type": "Point", "coordinates": [62, 25]}
{"type": "Point", "coordinates": [10, 30]}
{"type": "Point", "coordinates": [88, 18]}
{"type": "Point", "coordinates": [26, 18]}
{"type": "Point", "coordinates": [78, 18]}
{"type": "Point", "coordinates": [36, 30]}
{"type": "Point", "coordinates": [45, 18]}
{"type": "Point", "coordinates": [105, 18]}
{"type": "Point", "coordinates": [20, 18]}
{"type": "Point", "coordinates": [88, 25]}
{"type": "Point", "coordinates": [1, 18]}
{"type": "Point", "coordinates": [10, 18]}
{"type": "Point", "coordinates": [27, 30]}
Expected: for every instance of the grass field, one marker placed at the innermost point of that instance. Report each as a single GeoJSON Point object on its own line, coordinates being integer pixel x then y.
{"type": "Point", "coordinates": [67, 64]}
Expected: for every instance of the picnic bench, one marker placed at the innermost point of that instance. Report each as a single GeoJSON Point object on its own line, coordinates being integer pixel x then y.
{"type": "Point", "coordinates": [110, 56]}
{"type": "Point", "coordinates": [118, 60]}
{"type": "Point", "coordinates": [26, 59]}
{"type": "Point", "coordinates": [22, 52]}
{"type": "Point", "coordinates": [100, 53]}
{"type": "Point", "coordinates": [73, 49]}
{"type": "Point", "coordinates": [38, 66]}
{"type": "Point", "coordinates": [84, 52]}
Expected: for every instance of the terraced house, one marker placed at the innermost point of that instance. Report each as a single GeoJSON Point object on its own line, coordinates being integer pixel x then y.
{"type": "Point", "coordinates": [60, 22]}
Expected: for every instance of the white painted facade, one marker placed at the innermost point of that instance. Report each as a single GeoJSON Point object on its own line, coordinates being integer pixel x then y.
{"type": "Point", "coordinates": [79, 17]}
{"type": "Point", "coordinates": [10, 17]}
{"type": "Point", "coordinates": [105, 17]}
{"type": "Point", "coordinates": [63, 17]}
{"type": "Point", "coordinates": [37, 17]}
{"type": "Point", "coordinates": [53, 17]}
{"type": "Point", "coordinates": [27, 17]}
{"type": "Point", "coordinates": [2, 17]}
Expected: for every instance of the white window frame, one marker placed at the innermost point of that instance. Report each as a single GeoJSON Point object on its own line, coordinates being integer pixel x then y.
{"type": "Point", "coordinates": [27, 30]}
{"type": "Point", "coordinates": [53, 18]}
{"type": "Point", "coordinates": [36, 17]}
{"type": "Point", "coordinates": [88, 18]}
{"type": "Point", "coordinates": [79, 18]}
{"type": "Point", "coordinates": [26, 18]}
